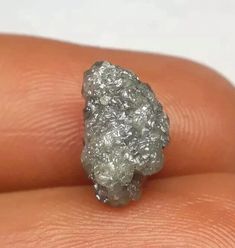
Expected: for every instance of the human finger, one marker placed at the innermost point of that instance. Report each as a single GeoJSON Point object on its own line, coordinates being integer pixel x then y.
{"type": "Point", "coordinates": [41, 127]}
{"type": "Point", "coordinates": [187, 211]}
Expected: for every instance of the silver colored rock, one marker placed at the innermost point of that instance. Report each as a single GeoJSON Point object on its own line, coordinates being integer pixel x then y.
{"type": "Point", "coordinates": [125, 131]}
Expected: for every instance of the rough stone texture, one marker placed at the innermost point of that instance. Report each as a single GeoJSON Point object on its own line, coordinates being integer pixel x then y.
{"type": "Point", "coordinates": [125, 131]}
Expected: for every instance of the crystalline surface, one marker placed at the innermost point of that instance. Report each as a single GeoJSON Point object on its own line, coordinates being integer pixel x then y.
{"type": "Point", "coordinates": [125, 131]}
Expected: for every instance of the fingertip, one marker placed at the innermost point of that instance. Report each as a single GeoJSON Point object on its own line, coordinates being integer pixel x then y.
{"type": "Point", "coordinates": [41, 129]}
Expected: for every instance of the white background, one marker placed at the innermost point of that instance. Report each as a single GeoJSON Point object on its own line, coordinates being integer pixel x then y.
{"type": "Point", "coordinates": [203, 30]}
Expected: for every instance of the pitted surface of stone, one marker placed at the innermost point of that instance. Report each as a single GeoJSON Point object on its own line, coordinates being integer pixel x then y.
{"type": "Point", "coordinates": [125, 131]}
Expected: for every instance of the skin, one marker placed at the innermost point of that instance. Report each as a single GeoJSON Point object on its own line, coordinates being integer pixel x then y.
{"type": "Point", "coordinates": [46, 199]}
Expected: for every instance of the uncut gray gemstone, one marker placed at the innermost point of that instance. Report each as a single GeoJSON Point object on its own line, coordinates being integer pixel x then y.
{"type": "Point", "coordinates": [125, 131]}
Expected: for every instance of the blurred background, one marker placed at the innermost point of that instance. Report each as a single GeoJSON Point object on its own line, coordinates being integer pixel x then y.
{"type": "Point", "coordinates": [202, 30]}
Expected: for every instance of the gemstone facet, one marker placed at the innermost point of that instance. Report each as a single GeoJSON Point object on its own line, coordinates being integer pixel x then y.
{"type": "Point", "coordinates": [125, 131]}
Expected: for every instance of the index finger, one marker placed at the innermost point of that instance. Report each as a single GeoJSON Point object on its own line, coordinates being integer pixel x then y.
{"type": "Point", "coordinates": [41, 126]}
